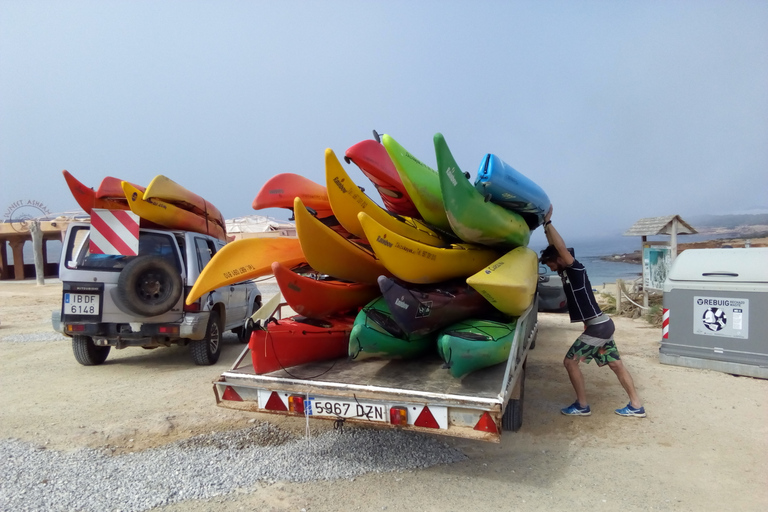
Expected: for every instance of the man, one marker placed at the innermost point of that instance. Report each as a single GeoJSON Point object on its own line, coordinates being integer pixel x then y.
{"type": "Point", "coordinates": [596, 342]}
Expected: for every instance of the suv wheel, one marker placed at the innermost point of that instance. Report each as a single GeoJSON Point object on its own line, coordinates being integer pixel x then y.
{"type": "Point", "coordinates": [86, 352]}
{"type": "Point", "coordinates": [149, 286]}
{"type": "Point", "coordinates": [206, 352]}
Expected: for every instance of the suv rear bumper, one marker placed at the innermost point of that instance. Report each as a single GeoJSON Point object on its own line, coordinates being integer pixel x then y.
{"type": "Point", "coordinates": [193, 327]}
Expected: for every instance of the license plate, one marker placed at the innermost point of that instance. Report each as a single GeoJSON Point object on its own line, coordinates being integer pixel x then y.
{"type": "Point", "coordinates": [81, 304]}
{"type": "Point", "coordinates": [345, 409]}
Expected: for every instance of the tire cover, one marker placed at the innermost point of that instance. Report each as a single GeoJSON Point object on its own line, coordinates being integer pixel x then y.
{"type": "Point", "coordinates": [149, 286]}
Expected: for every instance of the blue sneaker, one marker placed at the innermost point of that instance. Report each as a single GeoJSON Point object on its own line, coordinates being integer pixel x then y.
{"type": "Point", "coordinates": [576, 410]}
{"type": "Point", "coordinates": [631, 411]}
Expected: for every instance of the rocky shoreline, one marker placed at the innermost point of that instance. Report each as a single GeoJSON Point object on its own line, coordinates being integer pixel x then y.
{"type": "Point", "coordinates": [637, 256]}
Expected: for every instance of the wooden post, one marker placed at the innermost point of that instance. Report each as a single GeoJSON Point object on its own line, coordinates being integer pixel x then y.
{"type": "Point", "coordinates": [673, 239]}
{"type": "Point", "coordinates": [17, 246]}
{"type": "Point", "coordinates": [619, 288]}
{"type": "Point", "coordinates": [37, 250]}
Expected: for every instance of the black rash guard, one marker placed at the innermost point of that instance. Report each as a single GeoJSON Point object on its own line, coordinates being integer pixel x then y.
{"type": "Point", "coordinates": [582, 305]}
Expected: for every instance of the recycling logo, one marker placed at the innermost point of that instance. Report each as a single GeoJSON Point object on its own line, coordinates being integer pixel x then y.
{"type": "Point", "coordinates": [714, 319]}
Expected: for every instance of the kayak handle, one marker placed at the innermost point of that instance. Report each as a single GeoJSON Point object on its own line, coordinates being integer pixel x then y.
{"type": "Point", "coordinates": [729, 274]}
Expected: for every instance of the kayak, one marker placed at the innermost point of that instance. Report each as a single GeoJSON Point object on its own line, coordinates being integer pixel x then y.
{"type": "Point", "coordinates": [421, 182]}
{"type": "Point", "coordinates": [471, 217]}
{"type": "Point", "coordinates": [509, 283]}
{"type": "Point", "coordinates": [163, 188]}
{"type": "Point", "coordinates": [280, 190]}
{"type": "Point", "coordinates": [88, 199]}
{"type": "Point", "coordinates": [376, 335]}
{"type": "Point", "coordinates": [373, 160]}
{"type": "Point", "coordinates": [330, 253]}
{"type": "Point", "coordinates": [415, 262]}
{"type": "Point", "coordinates": [317, 296]}
{"type": "Point", "coordinates": [247, 258]}
{"type": "Point", "coordinates": [348, 200]}
{"type": "Point", "coordinates": [298, 340]}
{"type": "Point", "coordinates": [470, 345]}
{"type": "Point", "coordinates": [503, 185]}
{"type": "Point", "coordinates": [422, 309]}
{"type": "Point", "coordinates": [169, 215]}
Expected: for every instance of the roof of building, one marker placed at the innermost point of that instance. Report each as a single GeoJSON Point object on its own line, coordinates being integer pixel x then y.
{"type": "Point", "coordinates": [651, 226]}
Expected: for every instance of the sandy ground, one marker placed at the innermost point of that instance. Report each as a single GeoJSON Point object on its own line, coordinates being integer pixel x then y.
{"type": "Point", "coordinates": [704, 445]}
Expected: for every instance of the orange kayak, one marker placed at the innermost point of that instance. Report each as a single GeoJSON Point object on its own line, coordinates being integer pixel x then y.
{"type": "Point", "coordinates": [281, 189]}
{"type": "Point", "coordinates": [321, 297]}
{"type": "Point", "coordinates": [299, 340]}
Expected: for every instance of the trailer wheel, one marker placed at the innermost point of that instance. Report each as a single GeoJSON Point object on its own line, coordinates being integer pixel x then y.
{"type": "Point", "coordinates": [512, 419]}
{"type": "Point", "coordinates": [149, 286]}
{"type": "Point", "coordinates": [86, 352]}
{"type": "Point", "coordinates": [206, 351]}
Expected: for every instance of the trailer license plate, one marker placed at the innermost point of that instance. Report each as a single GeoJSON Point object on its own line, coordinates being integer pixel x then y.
{"type": "Point", "coordinates": [81, 304]}
{"type": "Point", "coordinates": [344, 409]}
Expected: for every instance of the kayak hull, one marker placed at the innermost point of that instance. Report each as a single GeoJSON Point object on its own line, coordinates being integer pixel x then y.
{"type": "Point", "coordinates": [418, 263]}
{"type": "Point", "coordinates": [376, 335]}
{"type": "Point", "coordinates": [511, 189]}
{"type": "Point", "coordinates": [509, 283]}
{"type": "Point", "coordinates": [471, 217]}
{"type": "Point", "coordinates": [423, 309]}
{"type": "Point", "coordinates": [297, 340]}
{"type": "Point", "coordinates": [374, 161]}
{"type": "Point", "coordinates": [474, 344]}
{"type": "Point", "coordinates": [322, 297]}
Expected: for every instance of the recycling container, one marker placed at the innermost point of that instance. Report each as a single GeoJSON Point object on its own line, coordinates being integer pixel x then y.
{"type": "Point", "coordinates": [716, 311]}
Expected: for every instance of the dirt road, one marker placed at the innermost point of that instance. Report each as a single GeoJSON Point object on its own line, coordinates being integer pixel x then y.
{"type": "Point", "coordinates": [704, 445]}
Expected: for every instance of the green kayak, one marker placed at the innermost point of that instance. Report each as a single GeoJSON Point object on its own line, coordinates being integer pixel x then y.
{"type": "Point", "coordinates": [421, 182]}
{"type": "Point", "coordinates": [471, 217]}
{"type": "Point", "coordinates": [375, 334]}
{"type": "Point", "coordinates": [474, 344]}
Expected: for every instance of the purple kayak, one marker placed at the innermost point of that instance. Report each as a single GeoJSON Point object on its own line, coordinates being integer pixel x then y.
{"type": "Point", "coordinates": [422, 309]}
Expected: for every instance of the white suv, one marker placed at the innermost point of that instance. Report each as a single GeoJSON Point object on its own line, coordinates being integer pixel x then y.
{"type": "Point", "coordinates": [138, 301]}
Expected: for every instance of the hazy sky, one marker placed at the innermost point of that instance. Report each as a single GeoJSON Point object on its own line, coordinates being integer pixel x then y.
{"type": "Point", "coordinates": [619, 110]}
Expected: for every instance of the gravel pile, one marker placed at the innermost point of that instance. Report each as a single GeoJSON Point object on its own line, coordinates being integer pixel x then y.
{"type": "Point", "coordinates": [35, 478]}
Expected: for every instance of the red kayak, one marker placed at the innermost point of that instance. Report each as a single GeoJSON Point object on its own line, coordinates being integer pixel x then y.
{"type": "Point", "coordinates": [299, 340]}
{"type": "Point", "coordinates": [321, 297]}
{"type": "Point", "coordinates": [372, 158]}
{"type": "Point", "coordinates": [281, 189]}
{"type": "Point", "coordinates": [109, 195]}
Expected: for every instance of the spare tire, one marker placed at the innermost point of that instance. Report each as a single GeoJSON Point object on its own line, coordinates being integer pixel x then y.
{"type": "Point", "coordinates": [149, 286]}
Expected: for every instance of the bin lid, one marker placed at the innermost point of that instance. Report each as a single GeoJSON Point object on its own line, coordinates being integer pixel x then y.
{"type": "Point", "coordinates": [737, 265]}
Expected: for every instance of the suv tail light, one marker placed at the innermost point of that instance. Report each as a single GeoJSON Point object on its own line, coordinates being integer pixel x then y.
{"type": "Point", "coordinates": [195, 306]}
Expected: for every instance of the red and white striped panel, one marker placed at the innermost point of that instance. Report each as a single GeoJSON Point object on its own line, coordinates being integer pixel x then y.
{"type": "Point", "coordinates": [665, 324]}
{"type": "Point", "coordinates": [114, 232]}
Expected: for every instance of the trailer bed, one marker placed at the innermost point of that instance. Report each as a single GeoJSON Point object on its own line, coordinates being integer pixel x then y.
{"type": "Point", "coordinates": [458, 406]}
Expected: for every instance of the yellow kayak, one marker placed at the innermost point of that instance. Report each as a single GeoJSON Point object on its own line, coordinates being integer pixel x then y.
{"type": "Point", "coordinates": [347, 200]}
{"type": "Point", "coordinates": [332, 254]}
{"type": "Point", "coordinates": [422, 183]}
{"type": "Point", "coordinates": [245, 259]}
{"type": "Point", "coordinates": [165, 189]}
{"type": "Point", "coordinates": [168, 215]}
{"type": "Point", "coordinates": [509, 283]}
{"type": "Point", "coordinates": [419, 263]}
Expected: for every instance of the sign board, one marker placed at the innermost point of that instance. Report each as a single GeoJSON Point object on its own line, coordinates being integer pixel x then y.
{"type": "Point", "coordinates": [657, 260]}
{"type": "Point", "coordinates": [719, 316]}
{"type": "Point", "coordinates": [114, 232]}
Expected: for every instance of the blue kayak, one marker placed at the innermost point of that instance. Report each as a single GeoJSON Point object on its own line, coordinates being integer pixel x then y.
{"type": "Point", "coordinates": [500, 183]}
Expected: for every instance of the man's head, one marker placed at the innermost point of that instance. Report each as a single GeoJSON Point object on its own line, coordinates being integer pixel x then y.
{"type": "Point", "coordinates": [551, 258]}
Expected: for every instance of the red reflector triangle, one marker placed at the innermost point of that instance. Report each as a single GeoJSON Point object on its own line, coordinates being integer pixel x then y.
{"type": "Point", "coordinates": [426, 419]}
{"type": "Point", "coordinates": [231, 394]}
{"type": "Point", "coordinates": [275, 403]}
{"type": "Point", "coordinates": [486, 424]}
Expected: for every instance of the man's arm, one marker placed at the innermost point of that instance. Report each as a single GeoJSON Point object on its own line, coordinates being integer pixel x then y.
{"type": "Point", "coordinates": [554, 238]}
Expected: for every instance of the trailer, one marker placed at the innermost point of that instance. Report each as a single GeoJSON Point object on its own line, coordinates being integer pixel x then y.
{"type": "Point", "coordinates": [418, 395]}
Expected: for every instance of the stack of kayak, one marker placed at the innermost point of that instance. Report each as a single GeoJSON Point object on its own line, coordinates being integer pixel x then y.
{"type": "Point", "coordinates": [162, 204]}
{"type": "Point", "coordinates": [443, 268]}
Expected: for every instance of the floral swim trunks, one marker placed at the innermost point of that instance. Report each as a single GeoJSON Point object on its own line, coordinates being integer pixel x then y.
{"type": "Point", "coordinates": [596, 342]}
